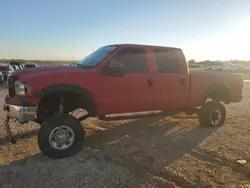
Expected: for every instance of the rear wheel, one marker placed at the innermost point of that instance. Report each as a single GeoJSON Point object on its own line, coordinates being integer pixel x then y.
{"type": "Point", "coordinates": [212, 114]}
{"type": "Point", "coordinates": [60, 136]}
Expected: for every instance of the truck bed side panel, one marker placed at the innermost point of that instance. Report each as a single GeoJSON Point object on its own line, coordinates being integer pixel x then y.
{"type": "Point", "coordinates": [201, 82]}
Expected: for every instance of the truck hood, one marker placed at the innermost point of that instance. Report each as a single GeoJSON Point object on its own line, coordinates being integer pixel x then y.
{"type": "Point", "coordinates": [43, 71]}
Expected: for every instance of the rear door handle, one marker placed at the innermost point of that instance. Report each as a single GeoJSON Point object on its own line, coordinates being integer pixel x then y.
{"type": "Point", "coordinates": [182, 81]}
{"type": "Point", "coordinates": [150, 82]}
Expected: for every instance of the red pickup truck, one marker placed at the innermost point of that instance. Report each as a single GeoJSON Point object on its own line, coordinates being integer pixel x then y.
{"type": "Point", "coordinates": [115, 79]}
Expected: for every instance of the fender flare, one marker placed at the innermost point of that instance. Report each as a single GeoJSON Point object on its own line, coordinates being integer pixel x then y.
{"type": "Point", "coordinates": [60, 88]}
{"type": "Point", "coordinates": [68, 88]}
{"type": "Point", "coordinates": [213, 87]}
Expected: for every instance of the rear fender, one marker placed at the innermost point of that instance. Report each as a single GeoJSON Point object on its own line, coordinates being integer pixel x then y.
{"type": "Point", "coordinates": [217, 91]}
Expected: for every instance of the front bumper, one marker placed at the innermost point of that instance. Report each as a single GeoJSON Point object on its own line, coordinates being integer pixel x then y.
{"type": "Point", "coordinates": [21, 113]}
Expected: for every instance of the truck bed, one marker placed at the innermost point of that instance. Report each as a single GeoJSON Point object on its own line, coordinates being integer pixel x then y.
{"type": "Point", "coordinates": [201, 82]}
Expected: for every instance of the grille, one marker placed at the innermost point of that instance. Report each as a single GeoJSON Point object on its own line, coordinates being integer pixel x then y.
{"type": "Point", "coordinates": [11, 85]}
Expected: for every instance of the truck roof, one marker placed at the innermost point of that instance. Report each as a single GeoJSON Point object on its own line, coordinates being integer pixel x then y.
{"type": "Point", "coordinates": [142, 45]}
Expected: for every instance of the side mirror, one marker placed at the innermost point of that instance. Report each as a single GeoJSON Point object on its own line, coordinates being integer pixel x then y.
{"type": "Point", "coordinates": [113, 68]}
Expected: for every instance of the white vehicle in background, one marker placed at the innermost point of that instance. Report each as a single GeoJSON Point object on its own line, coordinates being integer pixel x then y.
{"type": "Point", "coordinates": [218, 68]}
{"type": "Point", "coordinates": [4, 69]}
{"type": "Point", "coordinates": [240, 68]}
{"type": "Point", "coordinates": [1, 77]}
{"type": "Point", "coordinates": [226, 68]}
{"type": "Point", "coordinates": [12, 68]}
{"type": "Point", "coordinates": [210, 68]}
{"type": "Point", "coordinates": [213, 68]}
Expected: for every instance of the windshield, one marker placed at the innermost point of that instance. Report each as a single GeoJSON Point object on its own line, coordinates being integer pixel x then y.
{"type": "Point", "coordinates": [97, 56]}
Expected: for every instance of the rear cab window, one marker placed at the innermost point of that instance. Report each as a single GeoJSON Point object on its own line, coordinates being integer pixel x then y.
{"type": "Point", "coordinates": [167, 60]}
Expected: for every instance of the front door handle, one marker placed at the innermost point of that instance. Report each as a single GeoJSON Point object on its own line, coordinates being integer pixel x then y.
{"type": "Point", "coordinates": [150, 82]}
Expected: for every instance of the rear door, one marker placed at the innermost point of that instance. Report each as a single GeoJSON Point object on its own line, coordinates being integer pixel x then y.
{"type": "Point", "coordinates": [132, 92]}
{"type": "Point", "coordinates": [170, 79]}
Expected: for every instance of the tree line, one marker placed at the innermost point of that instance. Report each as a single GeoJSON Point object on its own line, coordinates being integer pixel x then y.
{"type": "Point", "coordinates": [193, 63]}
{"type": "Point", "coordinates": [23, 61]}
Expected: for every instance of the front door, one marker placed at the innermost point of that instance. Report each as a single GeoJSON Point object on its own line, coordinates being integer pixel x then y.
{"type": "Point", "coordinates": [132, 91]}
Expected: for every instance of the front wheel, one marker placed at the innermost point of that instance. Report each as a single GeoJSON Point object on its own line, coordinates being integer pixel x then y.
{"type": "Point", "coordinates": [60, 136]}
{"type": "Point", "coordinates": [212, 114]}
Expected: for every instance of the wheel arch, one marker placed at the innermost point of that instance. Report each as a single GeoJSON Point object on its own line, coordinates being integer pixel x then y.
{"type": "Point", "coordinates": [82, 96]}
{"type": "Point", "coordinates": [60, 88]}
{"type": "Point", "coordinates": [218, 92]}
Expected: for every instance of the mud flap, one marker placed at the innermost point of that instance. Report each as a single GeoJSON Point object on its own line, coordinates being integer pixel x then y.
{"type": "Point", "coordinates": [8, 130]}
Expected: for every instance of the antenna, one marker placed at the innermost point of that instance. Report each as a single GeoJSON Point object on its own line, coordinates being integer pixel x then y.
{"type": "Point", "coordinates": [73, 52]}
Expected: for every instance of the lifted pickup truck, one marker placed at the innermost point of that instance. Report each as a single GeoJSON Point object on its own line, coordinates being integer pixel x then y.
{"type": "Point", "coordinates": [115, 79]}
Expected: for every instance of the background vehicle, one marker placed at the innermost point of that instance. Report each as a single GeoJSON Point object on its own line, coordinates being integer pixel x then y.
{"type": "Point", "coordinates": [4, 69]}
{"type": "Point", "coordinates": [15, 67]}
{"type": "Point", "coordinates": [1, 78]}
{"type": "Point", "coordinates": [30, 65]}
{"type": "Point", "coordinates": [116, 79]}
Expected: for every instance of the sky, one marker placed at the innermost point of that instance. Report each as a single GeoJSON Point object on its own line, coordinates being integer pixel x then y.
{"type": "Point", "coordinates": [70, 30]}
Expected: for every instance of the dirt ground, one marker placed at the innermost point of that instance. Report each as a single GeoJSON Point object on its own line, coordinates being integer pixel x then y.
{"type": "Point", "coordinates": [151, 152]}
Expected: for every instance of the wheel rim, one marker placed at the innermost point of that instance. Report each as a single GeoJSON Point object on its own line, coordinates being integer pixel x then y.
{"type": "Point", "coordinates": [215, 117]}
{"type": "Point", "coordinates": [61, 137]}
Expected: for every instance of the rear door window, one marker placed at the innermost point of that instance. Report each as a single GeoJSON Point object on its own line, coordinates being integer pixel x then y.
{"type": "Point", "coordinates": [167, 61]}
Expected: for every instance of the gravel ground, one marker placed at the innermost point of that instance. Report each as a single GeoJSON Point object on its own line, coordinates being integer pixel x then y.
{"type": "Point", "coordinates": [152, 152]}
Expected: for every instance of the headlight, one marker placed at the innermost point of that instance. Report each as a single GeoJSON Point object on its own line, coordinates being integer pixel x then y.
{"type": "Point", "coordinates": [22, 88]}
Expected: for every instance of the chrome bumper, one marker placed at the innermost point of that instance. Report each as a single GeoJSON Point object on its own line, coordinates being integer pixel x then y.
{"type": "Point", "coordinates": [21, 113]}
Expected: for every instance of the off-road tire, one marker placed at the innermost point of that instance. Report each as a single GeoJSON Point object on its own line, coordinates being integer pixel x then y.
{"type": "Point", "coordinates": [206, 111]}
{"type": "Point", "coordinates": [53, 122]}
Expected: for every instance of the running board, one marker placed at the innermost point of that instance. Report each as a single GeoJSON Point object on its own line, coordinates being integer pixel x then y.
{"type": "Point", "coordinates": [154, 114]}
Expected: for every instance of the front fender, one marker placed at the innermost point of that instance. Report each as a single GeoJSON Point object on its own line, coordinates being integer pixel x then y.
{"type": "Point", "coordinates": [60, 88]}
{"type": "Point", "coordinates": [87, 100]}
